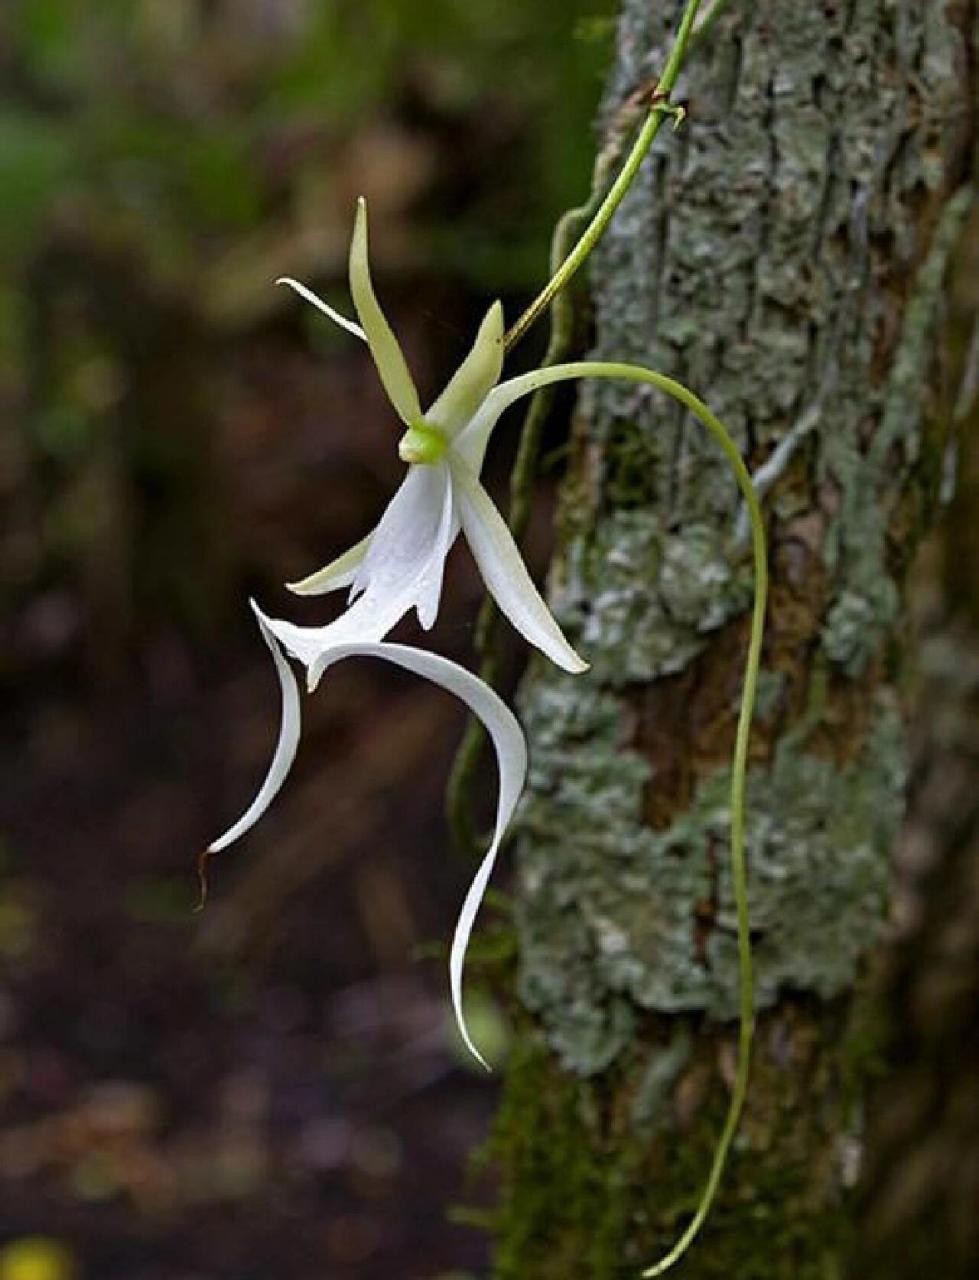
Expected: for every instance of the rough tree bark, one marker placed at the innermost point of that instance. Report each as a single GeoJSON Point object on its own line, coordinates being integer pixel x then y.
{"type": "Point", "coordinates": [784, 255]}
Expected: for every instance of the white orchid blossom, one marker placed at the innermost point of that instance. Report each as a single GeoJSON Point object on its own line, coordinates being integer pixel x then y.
{"type": "Point", "coordinates": [399, 565]}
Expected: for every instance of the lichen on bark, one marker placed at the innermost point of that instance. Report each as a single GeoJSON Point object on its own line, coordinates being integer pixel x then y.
{"type": "Point", "coordinates": [783, 255]}
{"type": "Point", "coordinates": [764, 257]}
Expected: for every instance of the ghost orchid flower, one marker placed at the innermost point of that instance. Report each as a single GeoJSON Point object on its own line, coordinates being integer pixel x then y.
{"type": "Point", "coordinates": [497, 718]}
{"type": "Point", "coordinates": [399, 566]}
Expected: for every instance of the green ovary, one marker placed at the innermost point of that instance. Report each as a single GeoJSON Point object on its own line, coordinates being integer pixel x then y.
{"type": "Point", "coordinates": [422, 445]}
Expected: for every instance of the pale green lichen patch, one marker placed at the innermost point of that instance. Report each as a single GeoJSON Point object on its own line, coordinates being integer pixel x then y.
{"type": "Point", "coordinates": [609, 910]}
{"type": "Point", "coordinates": [642, 599]}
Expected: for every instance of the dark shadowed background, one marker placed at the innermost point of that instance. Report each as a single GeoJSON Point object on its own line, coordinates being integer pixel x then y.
{"type": "Point", "coordinates": [270, 1088]}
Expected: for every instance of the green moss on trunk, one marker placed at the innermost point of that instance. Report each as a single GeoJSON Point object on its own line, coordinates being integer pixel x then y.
{"type": "Point", "coordinates": [595, 1184]}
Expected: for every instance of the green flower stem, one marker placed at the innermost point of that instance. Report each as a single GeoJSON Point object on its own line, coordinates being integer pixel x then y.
{"type": "Point", "coordinates": [739, 770]}
{"type": "Point", "coordinates": [660, 110]}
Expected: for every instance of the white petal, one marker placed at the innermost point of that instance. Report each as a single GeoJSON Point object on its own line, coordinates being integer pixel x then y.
{"type": "Point", "coordinates": [325, 307]}
{"type": "Point", "coordinates": [285, 750]}
{"type": "Point", "coordinates": [338, 573]}
{"type": "Point", "coordinates": [474, 379]}
{"type": "Point", "coordinates": [401, 570]}
{"type": "Point", "coordinates": [511, 758]}
{"type": "Point", "coordinates": [430, 583]}
{"type": "Point", "coordinates": [391, 365]}
{"type": "Point", "coordinates": [411, 542]}
{"type": "Point", "coordinates": [406, 531]}
{"type": "Point", "coordinates": [504, 571]}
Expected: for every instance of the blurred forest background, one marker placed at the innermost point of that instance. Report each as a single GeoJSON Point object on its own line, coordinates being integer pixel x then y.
{"type": "Point", "coordinates": [272, 1087]}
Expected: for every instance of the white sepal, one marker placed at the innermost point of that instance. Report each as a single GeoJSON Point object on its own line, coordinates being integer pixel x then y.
{"type": "Point", "coordinates": [504, 571]}
{"type": "Point", "coordinates": [430, 583]}
{"type": "Point", "coordinates": [391, 365]}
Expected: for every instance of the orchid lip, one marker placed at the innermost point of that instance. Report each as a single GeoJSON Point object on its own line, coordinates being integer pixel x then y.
{"type": "Point", "coordinates": [422, 444]}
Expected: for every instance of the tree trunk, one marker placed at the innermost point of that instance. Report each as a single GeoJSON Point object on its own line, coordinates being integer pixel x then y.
{"type": "Point", "coordinates": [784, 254]}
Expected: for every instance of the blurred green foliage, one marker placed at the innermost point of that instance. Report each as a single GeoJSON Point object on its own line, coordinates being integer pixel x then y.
{"type": "Point", "coordinates": [179, 123]}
